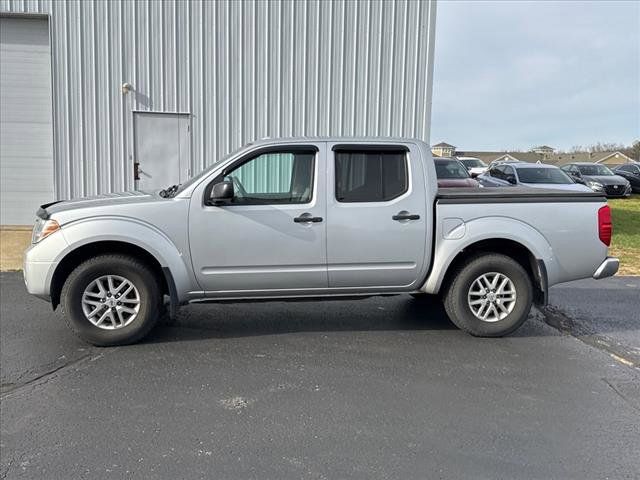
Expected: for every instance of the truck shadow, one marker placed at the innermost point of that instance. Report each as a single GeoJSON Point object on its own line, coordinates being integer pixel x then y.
{"type": "Point", "coordinates": [224, 320]}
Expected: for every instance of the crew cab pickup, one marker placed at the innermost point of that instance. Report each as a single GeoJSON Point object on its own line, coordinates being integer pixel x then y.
{"type": "Point", "coordinates": [314, 217]}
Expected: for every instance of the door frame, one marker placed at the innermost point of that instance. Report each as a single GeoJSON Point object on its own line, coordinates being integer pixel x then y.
{"type": "Point", "coordinates": [134, 143]}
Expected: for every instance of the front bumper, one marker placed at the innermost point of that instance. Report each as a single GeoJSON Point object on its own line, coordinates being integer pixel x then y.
{"type": "Point", "coordinates": [40, 261]}
{"type": "Point", "coordinates": [36, 279]}
{"type": "Point", "coordinates": [617, 191]}
{"type": "Point", "coordinates": [607, 268]}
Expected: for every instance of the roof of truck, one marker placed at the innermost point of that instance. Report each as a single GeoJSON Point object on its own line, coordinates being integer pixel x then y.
{"type": "Point", "coordinates": [338, 139]}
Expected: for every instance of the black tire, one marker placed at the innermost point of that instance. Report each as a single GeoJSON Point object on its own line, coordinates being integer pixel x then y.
{"type": "Point", "coordinates": [457, 305]}
{"type": "Point", "coordinates": [138, 273]}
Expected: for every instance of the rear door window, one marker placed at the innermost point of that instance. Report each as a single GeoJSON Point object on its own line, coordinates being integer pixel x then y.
{"type": "Point", "coordinates": [370, 176]}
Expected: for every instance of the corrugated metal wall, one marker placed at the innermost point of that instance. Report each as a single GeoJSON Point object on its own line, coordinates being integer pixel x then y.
{"type": "Point", "coordinates": [244, 70]}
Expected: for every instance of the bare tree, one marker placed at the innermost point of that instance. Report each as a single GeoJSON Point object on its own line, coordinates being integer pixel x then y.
{"type": "Point", "coordinates": [605, 147]}
{"type": "Point", "coordinates": [633, 151]}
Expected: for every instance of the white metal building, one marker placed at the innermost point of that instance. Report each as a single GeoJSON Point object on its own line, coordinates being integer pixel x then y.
{"type": "Point", "coordinates": [89, 89]}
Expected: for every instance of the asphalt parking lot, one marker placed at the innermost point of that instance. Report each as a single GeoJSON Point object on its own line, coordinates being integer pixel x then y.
{"type": "Point", "coordinates": [377, 388]}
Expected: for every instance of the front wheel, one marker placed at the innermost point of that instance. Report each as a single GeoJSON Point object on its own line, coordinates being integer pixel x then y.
{"type": "Point", "coordinates": [111, 300]}
{"type": "Point", "coordinates": [489, 296]}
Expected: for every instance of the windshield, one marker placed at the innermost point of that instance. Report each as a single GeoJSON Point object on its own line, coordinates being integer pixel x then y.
{"type": "Point", "coordinates": [450, 169]}
{"type": "Point", "coordinates": [543, 175]}
{"type": "Point", "coordinates": [473, 162]}
{"type": "Point", "coordinates": [595, 169]}
{"type": "Point", "coordinates": [206, 171]}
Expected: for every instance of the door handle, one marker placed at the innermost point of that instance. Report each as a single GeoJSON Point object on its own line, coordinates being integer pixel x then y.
{"type": "Point", "coordinates": [307, 218]}
{"type": "Point", "coordinates": [404, 215]}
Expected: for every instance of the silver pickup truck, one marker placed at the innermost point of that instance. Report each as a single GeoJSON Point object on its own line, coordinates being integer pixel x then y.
{"type": "Point", "coordinates": [313, 217]}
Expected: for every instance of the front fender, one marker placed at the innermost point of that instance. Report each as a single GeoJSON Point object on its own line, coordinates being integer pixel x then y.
{"type": "Point", "coordinates": [136, 232]}
{"type": "Point", "coordinates": [486, 228]}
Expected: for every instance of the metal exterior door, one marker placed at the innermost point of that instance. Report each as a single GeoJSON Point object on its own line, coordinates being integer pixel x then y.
{"type": "Point", "coordinates": [162, 149]}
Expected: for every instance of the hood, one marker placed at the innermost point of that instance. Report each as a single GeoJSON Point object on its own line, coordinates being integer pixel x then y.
{"type": "Point", "coordinates": [606, 179]}
{"type": "Point", "coordinates": [457, 182]}
{"type": "Point", "coordinates": [109, 199]}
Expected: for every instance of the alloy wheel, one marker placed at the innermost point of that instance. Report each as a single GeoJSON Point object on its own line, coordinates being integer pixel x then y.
{"type": "Point", "coordinates": [111, 302]}
{"type": "Point", "coordinates": [491, 297]}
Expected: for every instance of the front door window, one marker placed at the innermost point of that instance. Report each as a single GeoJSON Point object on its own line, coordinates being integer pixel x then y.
{"type": "Point", "coordinates": [274, 179]}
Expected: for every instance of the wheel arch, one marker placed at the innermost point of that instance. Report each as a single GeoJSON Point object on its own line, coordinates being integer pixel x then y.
{"type": "Point", "coordinates": [535, 267]}
{"type": "Point", "coordinates": [493, 233]}
{"type": "Point", "coordinates": [83, 252]}
{"type": "Point", "coordinates": [129, 236]}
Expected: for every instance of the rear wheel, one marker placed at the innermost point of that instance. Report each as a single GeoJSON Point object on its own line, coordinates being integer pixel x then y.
{"type": "Point", "coordinates": [111, 300]}
{"type": "Point", "coordinates": [489, 296]}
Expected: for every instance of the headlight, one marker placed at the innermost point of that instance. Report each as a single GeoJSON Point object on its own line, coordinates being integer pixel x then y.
{"type": "Point", "coordinates": [43, 228]}
{"type": "Point", "coordinates": [595, 185]}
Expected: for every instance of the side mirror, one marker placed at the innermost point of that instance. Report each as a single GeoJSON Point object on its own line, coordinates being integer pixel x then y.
{"type": "Point", "coordinates": [221, 193]}
{"type": "Point", "coordinates": [511, 179]}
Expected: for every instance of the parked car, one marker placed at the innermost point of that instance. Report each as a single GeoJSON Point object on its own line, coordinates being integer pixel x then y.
{"type": "Point", "coordinates": [452, 173]}
{"type": "Point", "coordinates": [301, 218]}
{"type": "Point", "coordinates": [630, 171]}
{"type": "Point", "coordinates": [598, 178]}
{"type": "Point", "coordinates": [475, 166]}
{"type": "Point", "coordinates": [536, 175]}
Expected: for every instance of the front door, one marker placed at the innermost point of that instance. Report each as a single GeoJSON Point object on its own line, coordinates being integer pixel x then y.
{"type": "Point", "coordinates": [271, 237]}
{"type": "Point", "coordinates": [377, 217]}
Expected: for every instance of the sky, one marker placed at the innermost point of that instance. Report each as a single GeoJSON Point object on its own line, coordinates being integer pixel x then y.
{"type": "Point", "coordinates": [516, 74]}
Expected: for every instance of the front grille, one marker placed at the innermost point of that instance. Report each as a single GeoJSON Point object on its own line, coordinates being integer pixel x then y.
{"type": "Point", "coordinates": [613, 190]}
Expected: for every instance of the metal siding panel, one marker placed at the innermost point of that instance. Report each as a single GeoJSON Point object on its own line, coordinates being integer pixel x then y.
{"type": "Point", "coordinates": [244, 70]}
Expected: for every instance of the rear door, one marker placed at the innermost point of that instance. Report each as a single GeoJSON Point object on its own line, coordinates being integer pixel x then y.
{"type": "Point", "coordinates": [377, 216]}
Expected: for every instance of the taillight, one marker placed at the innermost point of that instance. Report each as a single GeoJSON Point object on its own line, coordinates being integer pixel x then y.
{"type": "Point", "coordinates": [605, 227]}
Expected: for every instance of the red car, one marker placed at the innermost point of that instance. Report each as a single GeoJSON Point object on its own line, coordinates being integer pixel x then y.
{"type": "Point", "coordinates": [452, 173]}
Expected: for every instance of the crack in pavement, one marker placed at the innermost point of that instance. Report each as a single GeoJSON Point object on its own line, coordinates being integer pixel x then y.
{"type": "Point", "coordinates": [632, 401]}
{"type": "Point", "coordinates": [35, 372]}
{"type": "Point", "coordinates": [13, 389]}
{"type": "Point", "coordinates": [556, 318]}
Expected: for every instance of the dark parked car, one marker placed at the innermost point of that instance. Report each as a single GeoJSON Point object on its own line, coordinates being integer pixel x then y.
{"type": "Point", "coordinates": [598, 178]}
{"type": "Point", "coordinates": [630, 171]}
{"type": "Point", "coordinates": [532, 175]}
{"type": "Point", "coordinates": [452, 173]}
